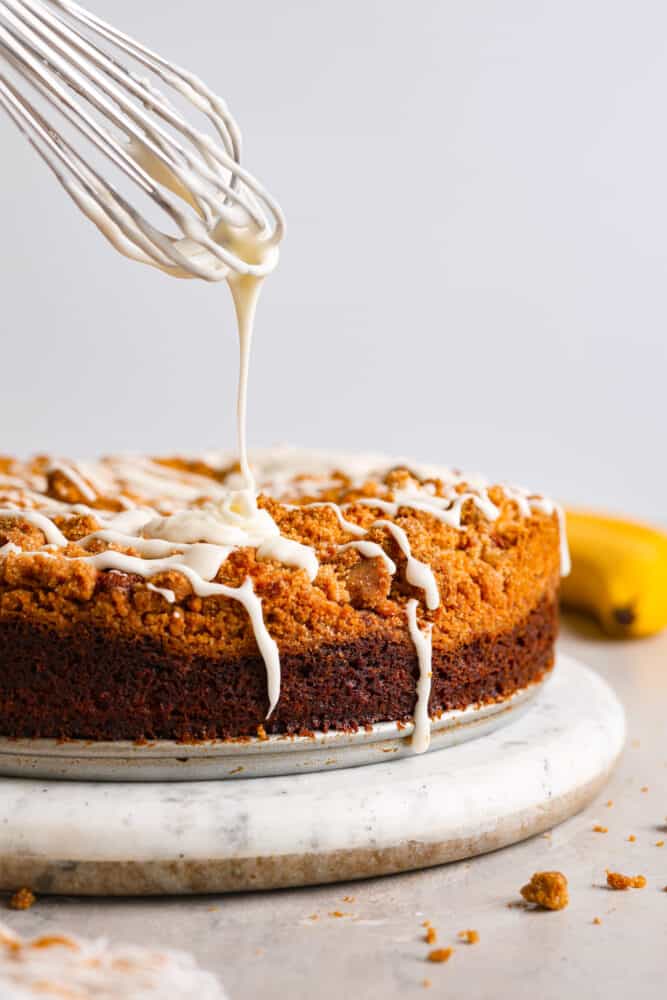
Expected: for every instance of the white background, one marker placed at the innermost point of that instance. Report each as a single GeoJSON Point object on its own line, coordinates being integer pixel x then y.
{"type": "Point", "coordinates": [475, 266]}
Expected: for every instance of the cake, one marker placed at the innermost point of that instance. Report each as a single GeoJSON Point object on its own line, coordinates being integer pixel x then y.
{"type": "Point", "coordinates": [60, 966]}
{"type": "Point", "coordinates": [157, 598]}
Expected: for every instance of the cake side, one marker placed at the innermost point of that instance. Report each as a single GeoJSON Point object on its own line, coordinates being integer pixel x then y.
{"type": "Point", "coordinates": [102, 654]}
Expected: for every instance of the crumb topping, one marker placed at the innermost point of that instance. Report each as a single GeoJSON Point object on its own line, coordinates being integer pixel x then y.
{"type": "Point", "coordinates": [547, 890]}
{"type": "Point", "coordinates": [469, 936]}
{"type": "Point", "coordinates": [440, 955]}
{"type": "Point", "coordinates": [485, 570]}
{"type": "Point", "coordinates": [617, 881]}
{"type": "Point", "coordinates": [22, 899]}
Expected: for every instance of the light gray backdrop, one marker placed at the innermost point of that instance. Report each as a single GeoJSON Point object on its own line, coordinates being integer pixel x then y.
{"type": "Point", "coordinates": [476, 258]}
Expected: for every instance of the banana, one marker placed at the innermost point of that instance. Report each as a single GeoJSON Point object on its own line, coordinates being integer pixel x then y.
{"type": "Point", "coordinates": [619, 573]}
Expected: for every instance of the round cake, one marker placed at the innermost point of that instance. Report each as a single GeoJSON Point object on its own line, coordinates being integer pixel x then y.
{"type": "Point", "coordinates": [157, 598]}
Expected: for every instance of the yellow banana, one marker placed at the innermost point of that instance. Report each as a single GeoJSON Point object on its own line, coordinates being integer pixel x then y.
{"type": "Point", "coordinates": [619, 573]}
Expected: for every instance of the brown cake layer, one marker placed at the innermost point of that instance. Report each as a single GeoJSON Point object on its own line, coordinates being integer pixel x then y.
{"type": "Point", "coordinates": [92, 684]}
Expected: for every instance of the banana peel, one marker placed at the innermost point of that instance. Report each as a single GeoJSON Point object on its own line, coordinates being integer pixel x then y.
{"type": "Point", "coordinates": [619, 573]}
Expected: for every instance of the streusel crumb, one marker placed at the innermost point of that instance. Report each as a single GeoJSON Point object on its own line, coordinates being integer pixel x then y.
{"type": "Point", "coordinates": [548, 890]}
{"type": "Point", "coordinates": [470, 937]}
{"type": "Point", "coordinates": [440, 954]}
{"type": "Point", "coordinates": [617, 881]}
{"type": "Point", "coordinates": [23, 899]}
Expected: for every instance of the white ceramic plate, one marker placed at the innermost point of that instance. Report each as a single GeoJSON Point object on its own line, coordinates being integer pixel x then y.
{"type": "Point", "coordinates": [166, 760]}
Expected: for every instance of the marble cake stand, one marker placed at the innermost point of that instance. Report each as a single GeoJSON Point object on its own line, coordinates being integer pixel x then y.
{"type": "Point", "coordinates": [259, 833]}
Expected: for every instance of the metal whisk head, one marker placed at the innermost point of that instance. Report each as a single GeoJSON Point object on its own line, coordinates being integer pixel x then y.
{"type": "Point", "coordinates": [74, 62]}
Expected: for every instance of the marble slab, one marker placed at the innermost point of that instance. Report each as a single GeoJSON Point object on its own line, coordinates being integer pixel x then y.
{"type": "Point", "coordinates": [258, 833]}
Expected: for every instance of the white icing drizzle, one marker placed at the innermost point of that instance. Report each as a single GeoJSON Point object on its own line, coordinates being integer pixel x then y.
{"type": "Point", "coordinates": [528, 502]}
{"type": "Point", "coordinates": [370, 550]}
{"type": "Point", "coordinates": [417, 573]}
{"type": "Point", "coordinates": [349, 526]}
{"type": "Point", "coordinates": [290, 553]}
{"type": "Point", "coordinates": [422, 639]}
{"type": "Point", "coordinates": [71, 472]}
{"type": "Point", "coordinates": [168, 595]}
{"type": "Point", "coordinates": [51, 532]}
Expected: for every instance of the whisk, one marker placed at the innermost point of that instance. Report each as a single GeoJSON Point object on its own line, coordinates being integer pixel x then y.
{"type": "Point", "coordinates": [225, 220]}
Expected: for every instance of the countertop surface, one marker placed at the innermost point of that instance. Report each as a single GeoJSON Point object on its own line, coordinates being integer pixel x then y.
{"type": "Point", "coordinates": [290, 943]}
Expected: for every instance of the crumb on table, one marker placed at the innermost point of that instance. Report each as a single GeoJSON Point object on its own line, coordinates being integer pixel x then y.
{"type": "Point", "coordinates": [470, 936]}
{"type": "Point", "coordinates": [548, 890]}
{"type": "Point", "coordinates": [632, 838]}
{"type": "Point", "coordinates": [23, 899]}
{"type": "Point", "coordinates": [440, 954]}
{"type": "Point", "coordinates": [659, 843]}
{"type": "Point", "coordinates": [600, 829]}
{"type": "Point", "coordinates": [596, 920]}
{"type": "Point", "coordinates": [615, 880]}
{"type": "Point", "coordinates": [431, 935]}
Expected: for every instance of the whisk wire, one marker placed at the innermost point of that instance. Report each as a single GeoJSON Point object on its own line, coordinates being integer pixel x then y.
{"type": "Point", "coordinates": [195, 180]}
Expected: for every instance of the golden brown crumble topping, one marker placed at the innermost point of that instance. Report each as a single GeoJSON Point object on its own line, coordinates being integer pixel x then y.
{"type": "Point", "coordinates": [487, 573]}
{"type": "Point", "coordinates": [440, 955]}
{"type": "Point", "coordinates": [615, 880]}
{"type": "Point", "coordinates": [22, 899]}
{"type": "Point", "coordinates": [548, 890]}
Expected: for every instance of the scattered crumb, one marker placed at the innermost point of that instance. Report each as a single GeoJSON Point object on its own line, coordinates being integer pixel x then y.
{"type": "Point", "coordinates": [659, 843]}
{"type": "Point", "coordinates": [596, 920]}
{"type": "Point", "coordinates": [617, 881]}
{"type": "Point", "coordinates": [547, 835]}
{"type": "Point", "coordinates": [426, 923]}
{"type": "Point", "coordinates": [338, 913]}
{"type": "Point", "coordinates": [644, 788]}
{"type": "Point", "coordinates": [261, 732]}
{"type": "Point", "coordinates": [470, 937]}
{"type": "Point", "coordinates": [23, 899]}
{"type": "Point", "coordinates": [314, 916]}
{"type": "Point", "coordinates": [431, 935]}
{"type": "Point", "coordinates": [259, 951]}
{"type": "Point", "coordinates": [440, 955]}
{"type": "Point", "coordinates": [548, 890]}
{"type": "Point", "coordinates": [426, 983]}
{"type": "Point", "coordinates": [600, 829]}
{"type": "Point", "coordinates": [348, 899]}
{"type": "Point", "coordinates": [632, 838]}
{"type": "Point", "coordinates": [609, 803]}
{"type": "Point", "coordinates": [212, 909]}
